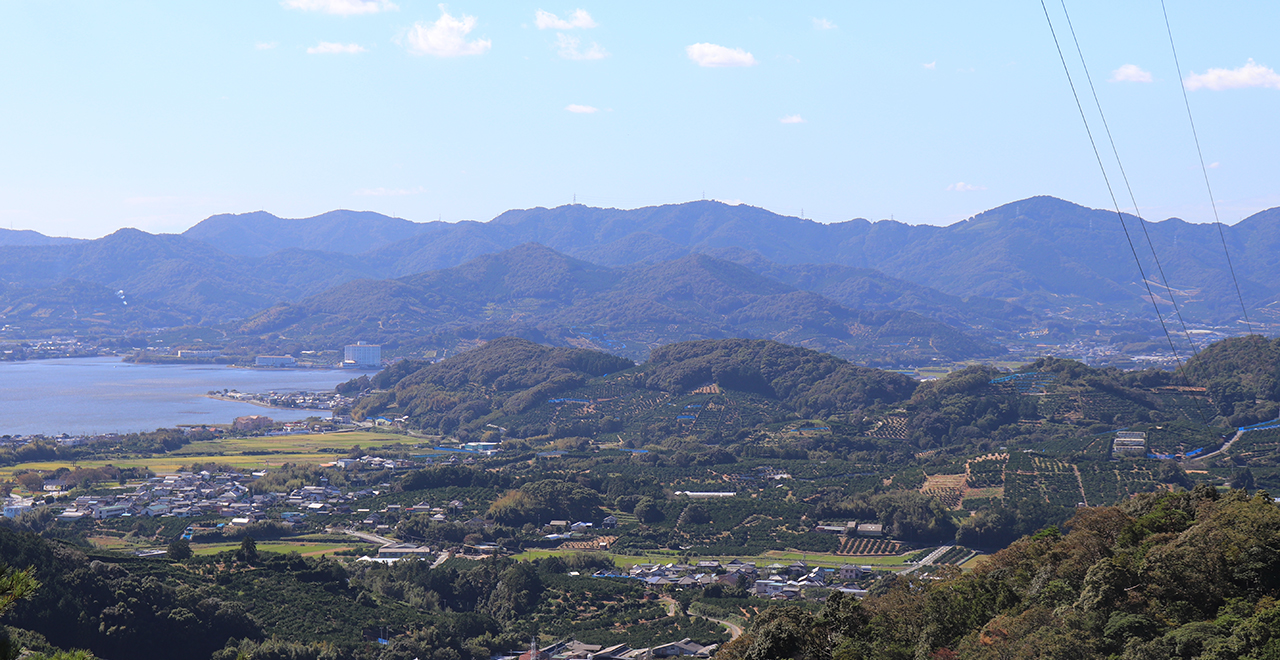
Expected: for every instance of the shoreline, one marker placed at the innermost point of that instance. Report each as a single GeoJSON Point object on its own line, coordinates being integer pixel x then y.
{"type": "Point", "coordinates": [259, 404]}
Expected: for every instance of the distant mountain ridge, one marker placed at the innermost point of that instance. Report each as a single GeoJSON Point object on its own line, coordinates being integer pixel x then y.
{"type": "Point", "coordinates": [1001, 271]}
{"type": "Point", "coordinates": [29, 237]}
{"type": "Point", "coordinates": [1041, 252]}
{"type": "Point", "coordinates": [260, 233]}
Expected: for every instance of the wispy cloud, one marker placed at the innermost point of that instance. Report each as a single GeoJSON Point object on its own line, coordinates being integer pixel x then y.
{"type": "Point", "coordinates": [1215, 165]}
{"type": "Point", "coordinates": [330, 48]}
{"type": "Point", "coordinates": [447, 37]}
{"type": "Point", "coordinates": [792, 119]}
{"type": "Point", "coordinates": [266, 45]}
{"type": "Point", "coordinates": [342, 7]}
{"type": "Point", "coordinates": [1251, 74]}
{"type": "Point", "coordinates": [930, 65]}
{"type": "Point", "coordinates": [581, 109]}
{"type": "Point", "coordinates": [823, 24]}
{"type": "Point", "coordinates": [1130, 73]}
{"type": "Point", "coordinates": [964, 187]}
{"type": "Point", "coordinates": [546, 20]}
{"type": "Point", "coordinates": [570, 48]}
{"type": "Point", "coordinates": [388, 192]}
{"type": "Point", "coordinates": [711, 55]}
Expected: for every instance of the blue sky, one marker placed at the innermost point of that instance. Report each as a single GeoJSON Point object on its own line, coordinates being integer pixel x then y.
{"type": "Point", "coordinates": [158, 114]}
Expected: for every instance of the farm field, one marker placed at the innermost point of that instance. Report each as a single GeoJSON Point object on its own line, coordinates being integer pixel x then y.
{"type": "Point", "coordinates": [230, 451]}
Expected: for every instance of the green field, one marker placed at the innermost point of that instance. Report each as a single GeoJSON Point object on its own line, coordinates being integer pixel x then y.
{"type": "Point", "coordinates": [285, 449]}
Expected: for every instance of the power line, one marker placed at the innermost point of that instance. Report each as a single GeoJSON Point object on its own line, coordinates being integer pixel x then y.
{"type": "Point", "coordinates": [1204, 170]}
{"type": "Point", "coordinates": [1173, 301]}
{"type": "Point", "coordinates": [1107, 180]}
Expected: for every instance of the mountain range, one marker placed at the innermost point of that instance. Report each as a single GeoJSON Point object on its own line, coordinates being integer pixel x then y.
{"type": "Point", "coordinates": [1001, 271]}
{"type": "Point", "coordinates": [534, 292]}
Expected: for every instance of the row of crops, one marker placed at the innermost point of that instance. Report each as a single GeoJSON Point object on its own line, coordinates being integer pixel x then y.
{"type": "Point", "coordinates": [955, 555]}
{"type": "Point", "coordinates": [861, 546]}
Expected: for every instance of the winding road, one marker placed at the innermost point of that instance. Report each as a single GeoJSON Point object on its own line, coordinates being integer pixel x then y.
{"type": "Point", "coordinates": [673, 608]}
{"type": "Point", "coordinates": [1225, 446]}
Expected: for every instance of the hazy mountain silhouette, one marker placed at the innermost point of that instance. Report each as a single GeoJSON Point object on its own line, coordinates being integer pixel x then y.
{"type": "Point", "coordinates": [535, 292]}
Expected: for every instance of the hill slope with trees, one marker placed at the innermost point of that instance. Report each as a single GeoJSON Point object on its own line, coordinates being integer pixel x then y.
{"type": "Point", "coordinates": [537, 293]}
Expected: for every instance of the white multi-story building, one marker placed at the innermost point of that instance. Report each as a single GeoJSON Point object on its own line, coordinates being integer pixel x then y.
{"type": "Point", "coordinates": [362, 355]}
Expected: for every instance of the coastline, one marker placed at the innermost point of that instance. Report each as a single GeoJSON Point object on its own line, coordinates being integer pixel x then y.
{"type": "Point", "coordinates": [261, 404]}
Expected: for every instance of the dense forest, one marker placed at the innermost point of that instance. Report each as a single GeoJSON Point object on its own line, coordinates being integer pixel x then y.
{"type": "Point", "coordinates": [511, 382]}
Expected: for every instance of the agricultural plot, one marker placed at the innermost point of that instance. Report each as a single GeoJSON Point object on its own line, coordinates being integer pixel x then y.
{"type": "Point", "coordinates": [891, 427]}
{"type": "Point", "coordinates": [241, 453]}
{"type": "Point", "coordinates": [1138, 479]}
{"type": "Point", "coordinates": [1039, 477]}
{"type": "Point", "coordinates": [1258, 448]}
{"type": "Point", "coordinates": [957, 554]}
{"type": "Point", "coordinates": [986, 471]}
{"type": "Point", "coordinates": [862, 546]}
{"type": "Point", "coordinates": [1182, 437]}
{"type": "Point", "coordinates": [1100, 482]}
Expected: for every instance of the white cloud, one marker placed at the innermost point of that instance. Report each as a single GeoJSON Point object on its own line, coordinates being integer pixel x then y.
{"type": "Point", "coordinates": [330, 48]}
{"type": "Point", "coordinates": [1251, 74]}
{"type": "Point", "coordinates": [581, 109]}
{"type": "Point", "coordinates": [1131, 73]}
{"type": "Point", "coordinates": [711, 55]}
{"type": "Point", "coordinates": [266, 45]}
{"type": "Point", "coordinates": [1214, 165]}
{"type": "Point", "coordinates": [964, 187]}
{"type": "Point", "coordinates": [447, 37]}
{"type": "Point", "coordinates": [930, 65]}
{"type": "Point", "coordinates": [792, 119]}
{"type": "Point", "coordinates": [569, 49]}
{"type": "Point", "coordinates": [823, 24]}
{"type": "Point", "coordinates": [388, 192]}
{"type": "Point", "coordinates": [342, 7]}
{"type": "Point", "coordinates": [547, 20]}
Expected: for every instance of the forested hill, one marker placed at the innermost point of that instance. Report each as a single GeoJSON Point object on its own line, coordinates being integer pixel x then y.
{"type": "Point", "coordinates": [259, 234]}
{"type": "Point", "coordinates": [29, 237]}
{"type": "Point", "coordinates": [535, 292]}
{"type": "Point", "coordinates": [1241, 376]}
{"type": "Point", "coordinates": [1188, 575]}
{"type": "Point", "coordinates": [511, 382]}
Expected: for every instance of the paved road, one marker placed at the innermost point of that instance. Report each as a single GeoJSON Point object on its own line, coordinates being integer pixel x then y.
{"type": "Point", "coordinates": [734, 630]}
{"type": "Point", "coordinates": [930, 558]}
{"type": "Point", "coordinates": [1224, 447]}
{"type": "Point", "coordinates": [372, 538]}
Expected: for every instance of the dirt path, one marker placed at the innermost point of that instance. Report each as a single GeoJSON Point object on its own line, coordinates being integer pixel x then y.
{"type": "Point", "coordinates": [1080, 483]}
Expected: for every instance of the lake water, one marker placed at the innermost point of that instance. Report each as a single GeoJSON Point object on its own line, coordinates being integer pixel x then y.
{"type": "Point", "coordinates": [103, 395]}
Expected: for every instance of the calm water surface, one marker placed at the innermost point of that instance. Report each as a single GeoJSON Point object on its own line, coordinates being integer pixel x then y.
{"type": "Point", "coordinates": [102, 395]}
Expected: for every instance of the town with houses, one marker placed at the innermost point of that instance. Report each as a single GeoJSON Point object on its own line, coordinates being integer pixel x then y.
{"type": "Point", "coordinates": [230, 497]}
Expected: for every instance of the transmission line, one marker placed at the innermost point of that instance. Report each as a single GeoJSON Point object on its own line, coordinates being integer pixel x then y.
{"type": "Point", "coordinates": [1203, 169]}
